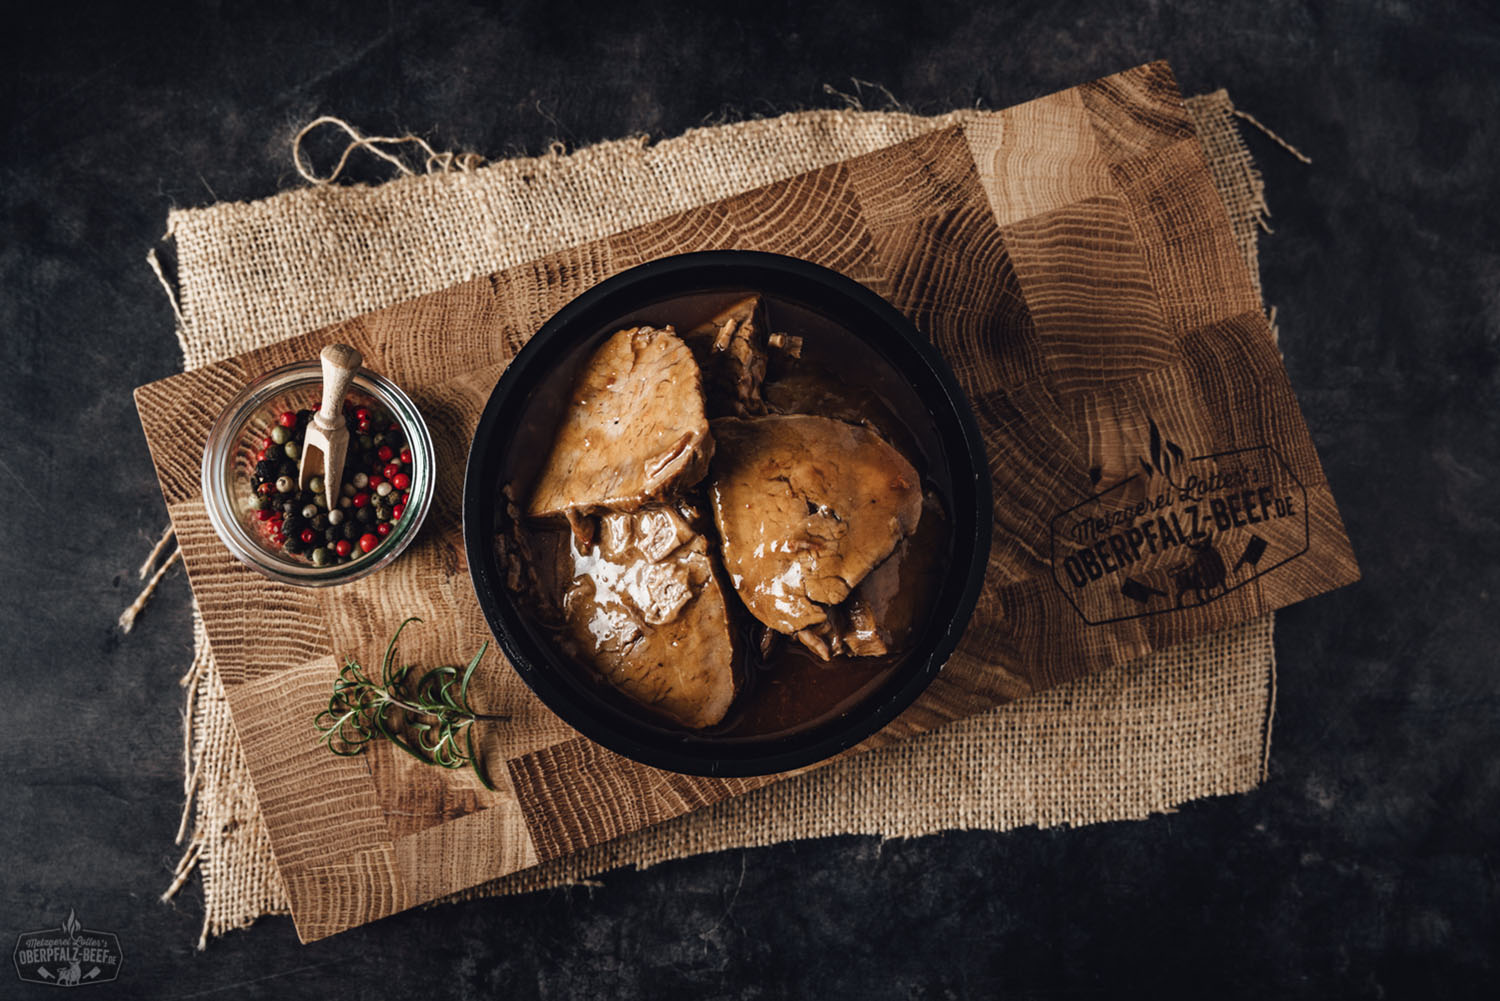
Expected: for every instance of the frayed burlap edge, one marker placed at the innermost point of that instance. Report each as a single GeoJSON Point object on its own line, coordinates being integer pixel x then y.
{"type": "Point", "coordinates": [1125, 743]}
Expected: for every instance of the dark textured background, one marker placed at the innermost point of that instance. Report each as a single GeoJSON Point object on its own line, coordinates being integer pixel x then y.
{"type": "Point", "coordinates": [1365, 866]}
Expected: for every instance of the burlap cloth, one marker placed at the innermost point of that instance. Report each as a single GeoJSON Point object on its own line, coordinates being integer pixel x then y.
{"type": "Point", "coordinates": [1121, 744]}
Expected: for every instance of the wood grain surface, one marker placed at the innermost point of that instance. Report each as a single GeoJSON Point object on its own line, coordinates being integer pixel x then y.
{"type": "Point", "coordinates": [1070, 258]}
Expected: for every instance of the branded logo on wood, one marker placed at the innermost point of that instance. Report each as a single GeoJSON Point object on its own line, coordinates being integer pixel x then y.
{"type": "Point", "coordinates": [68, 955]}
{"type": "Point", "coordinates": [1181, 532]}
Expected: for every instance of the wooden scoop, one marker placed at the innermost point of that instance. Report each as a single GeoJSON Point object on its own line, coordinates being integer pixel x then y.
{"type": "Point", "coordinates": [327, 440]}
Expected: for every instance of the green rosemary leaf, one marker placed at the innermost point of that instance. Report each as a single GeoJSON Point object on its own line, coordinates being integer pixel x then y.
{"type": "Point", "coordinates": [425, 717]}
{"type": "Point", "coordinates": [479, 768]}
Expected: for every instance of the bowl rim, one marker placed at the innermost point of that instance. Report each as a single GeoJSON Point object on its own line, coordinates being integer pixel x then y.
{"type": "Point", "coordinates": [685, 274]}
{"type": "Point", "coordinates": [218, 455]}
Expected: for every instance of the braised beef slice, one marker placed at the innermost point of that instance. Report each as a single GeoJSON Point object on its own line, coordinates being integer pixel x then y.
{"type": "Point", "coordinates": [635, 429]}
{"type": "Point", "coordinates": [643, 606]}
{"type": "Point", "coordinates": [810, 389]}
{"type": "Point", "coordinates": [883, 612]}
{"type": "Point", "coordinates": [731, 350]}
{"type": "Point", "coordinates": [806, 507]}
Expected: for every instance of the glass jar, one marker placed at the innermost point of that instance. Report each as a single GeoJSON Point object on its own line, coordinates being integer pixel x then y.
{"type": "Point", "coordinates": [229, 461]}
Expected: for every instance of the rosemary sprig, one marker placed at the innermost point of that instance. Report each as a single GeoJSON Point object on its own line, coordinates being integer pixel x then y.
{"type": "Point", "coordinates": [428, 717]}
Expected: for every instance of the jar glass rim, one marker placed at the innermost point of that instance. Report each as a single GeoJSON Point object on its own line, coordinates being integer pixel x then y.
{"type": "Point", "coordinates": [218, 475]}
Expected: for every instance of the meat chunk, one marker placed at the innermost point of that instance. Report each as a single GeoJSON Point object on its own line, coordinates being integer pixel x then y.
{"type": "Point", "coordinates": [635, 428]}
{"type": "Point", "coordinates": [884, 611]}
{"type": "Point", "coordinates": [731, 350]}
{"type": "Point", "coordinates": [806, 507]}
{"type": "Point", "coordinates": [645, 609]}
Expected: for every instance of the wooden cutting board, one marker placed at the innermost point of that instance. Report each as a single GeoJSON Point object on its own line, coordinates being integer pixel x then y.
{"type": "Point", "coordinates": [1072, 260]}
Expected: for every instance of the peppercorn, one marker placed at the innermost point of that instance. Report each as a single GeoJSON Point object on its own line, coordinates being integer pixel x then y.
{"type": "Point", "coordinates": [368, 541]}
{"type": "Point", "coordinates": [320, 522]}
{"type": "Point", "coordinates": [364, 515]}
{"type": "Point", "coordinates": [320, 557]}
{"type": "Point", "coordinates": [292, 450]}
{"type": "Point", "coordinates": [332, 534]}
{"type": "Point", "coordinates": [280, 435]}
{"type": "Point", "coordinates": [273, 452]}
{"type": "Point", "coordinates": [265, 469]}
{"type": "Point", "coordinates": [384, 528]}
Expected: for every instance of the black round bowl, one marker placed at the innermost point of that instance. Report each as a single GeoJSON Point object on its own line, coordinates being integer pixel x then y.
{"type": "Point", "coordinates": [855, 308]}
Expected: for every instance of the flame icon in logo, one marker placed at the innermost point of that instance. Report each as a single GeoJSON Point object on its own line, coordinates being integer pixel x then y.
{"type": "Point", "coordinates": [71, 925]}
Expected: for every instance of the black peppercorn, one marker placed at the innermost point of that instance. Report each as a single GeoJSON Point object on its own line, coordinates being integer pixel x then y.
{"type": "Point", "coordinates": [273, 452]}
{"type": "Point", "coordinates": [265, 470]}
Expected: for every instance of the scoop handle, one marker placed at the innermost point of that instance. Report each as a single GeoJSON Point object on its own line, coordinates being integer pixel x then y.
{"type": "Point", "coordinates": [340, 362]}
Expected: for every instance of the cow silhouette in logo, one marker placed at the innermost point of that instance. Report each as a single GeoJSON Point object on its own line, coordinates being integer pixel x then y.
{"type": "Point", "coordinates": [70, 976]}
{"type": "Point", "coordinates": [1202, 573]}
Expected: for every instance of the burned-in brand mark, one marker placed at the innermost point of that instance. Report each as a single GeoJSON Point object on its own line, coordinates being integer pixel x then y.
{"type": "Point", "coordinates": [1181, 533]}
{"type": "Point", "coordinates": [68, 955]}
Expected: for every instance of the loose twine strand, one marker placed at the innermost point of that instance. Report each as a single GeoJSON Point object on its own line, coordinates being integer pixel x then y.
{"type": "Point", "coordinates": [128, 617]}
{"type": "Point", "coordinates": [1273, 136]}
{"type": "Point", "coordinates": [436, 163]}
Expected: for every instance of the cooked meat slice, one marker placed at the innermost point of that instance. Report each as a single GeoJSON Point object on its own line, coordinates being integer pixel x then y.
{"type": "Point", "coordinates": [635, 429]}
{"type": "Point", "coordinates": [881, 614]}
{"type": "Point", "coordinates": [731, 350]}
{"type": "Point", "coordinates": [657, 628]}
{"type": "Point", "coordinates": [806, 507]}
{"type": "Point", "coordinates": [810, 389]}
